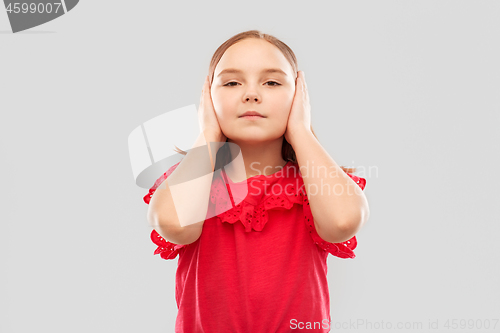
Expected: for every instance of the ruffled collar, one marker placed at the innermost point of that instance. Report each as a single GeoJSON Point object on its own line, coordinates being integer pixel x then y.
{"type": "Point", "coordinates": [248, 201]}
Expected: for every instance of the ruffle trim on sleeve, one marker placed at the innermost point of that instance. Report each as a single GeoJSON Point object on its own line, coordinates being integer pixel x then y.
{"type": "Point", "coordinates": [147, 197]}
{"type": "Point", "coordinates": [360, 181]}
{"type": "Point", "coordinates": [343, 249]}
{"type": "Point", "coordinates": [166, 249]}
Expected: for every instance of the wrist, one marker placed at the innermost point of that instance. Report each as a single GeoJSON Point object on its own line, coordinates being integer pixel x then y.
{"type": "Point", "coordinates": [299, 134]}
{"type": "Point", "coordinates": [209, 137]}
{"type": "Point", "coordinates": [213, 142]}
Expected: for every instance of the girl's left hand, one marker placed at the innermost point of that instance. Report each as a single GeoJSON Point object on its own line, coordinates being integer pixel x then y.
{"type": "Point", "coordinates": [300, 112]}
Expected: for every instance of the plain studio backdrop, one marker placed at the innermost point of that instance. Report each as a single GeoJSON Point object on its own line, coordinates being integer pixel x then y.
{"type": "Point", "coordinates": [406, 91]}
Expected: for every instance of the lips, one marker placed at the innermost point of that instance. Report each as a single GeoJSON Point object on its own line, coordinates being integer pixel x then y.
{"type": "Point", "coordinates": [251, 113]}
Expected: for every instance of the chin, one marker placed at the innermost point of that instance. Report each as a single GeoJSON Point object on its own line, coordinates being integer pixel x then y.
{"type": "Point", "coordinates": [255, 138]}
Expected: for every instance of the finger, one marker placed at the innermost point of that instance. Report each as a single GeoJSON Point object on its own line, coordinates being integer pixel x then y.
{"type": "Point", "coordinates": [303, 82]}
{"type": "Point", "coordinates": [208, 93]}
{"type": "Point", "coordinates": [202, 91]}
{"type": "Point", "coordinates": [204, 87]}
{"type": "Point", "coordinates": [202, 95]}
{"type": "Point", "coordinates": [207, 86]}
{"type": "Point", "coordinates": [300, 81]}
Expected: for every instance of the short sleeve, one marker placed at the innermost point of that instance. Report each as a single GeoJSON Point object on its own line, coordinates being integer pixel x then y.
{"type": "Point", "coordinates": [166, 250]}
{"type": "Point", "coordinates": [342, 250]}
{"type": "Point", "coordinates": [158, 182]}
{"type": "Point", "coordinates": [359, 180]}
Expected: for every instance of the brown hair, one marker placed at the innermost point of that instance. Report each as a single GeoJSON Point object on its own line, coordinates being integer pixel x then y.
{"type": "Point", "coordinates": [287, 152]}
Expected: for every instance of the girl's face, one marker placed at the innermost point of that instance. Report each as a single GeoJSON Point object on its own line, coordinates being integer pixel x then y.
{"type": "Point", "coordinates": [242, 83]}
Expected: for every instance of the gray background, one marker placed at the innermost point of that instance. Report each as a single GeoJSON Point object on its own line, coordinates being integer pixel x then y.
{"type": "Point", "coordinates": [410, 89]}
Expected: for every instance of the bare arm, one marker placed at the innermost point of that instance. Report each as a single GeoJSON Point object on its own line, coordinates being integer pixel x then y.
{"type": "Point", "coordinates": [339, 207]}
{"type": "Point", "coordinates": [179, 205]}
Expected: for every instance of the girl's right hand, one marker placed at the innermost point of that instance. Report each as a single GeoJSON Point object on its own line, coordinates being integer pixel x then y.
{"type": "Point", "coordinates": [209, 124]}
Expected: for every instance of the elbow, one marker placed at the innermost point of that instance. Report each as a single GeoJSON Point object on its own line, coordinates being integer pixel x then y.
{"type": "Point", "coordinates": [356, 222]}
{"type": "Point", "coordinates": [183, 236]}
{"type": "Point", "coordinates": [337, 234]}
{"type": "Point", "coordinates": [352, 226]}
{"type": "Point", "coordinates": [174, 233]}
{"type": "Point", "coordinates": [343, 230]}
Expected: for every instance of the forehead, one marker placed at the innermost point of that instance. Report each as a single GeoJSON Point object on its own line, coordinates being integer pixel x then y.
{"type": "Point", "coordinates": [253, 55]}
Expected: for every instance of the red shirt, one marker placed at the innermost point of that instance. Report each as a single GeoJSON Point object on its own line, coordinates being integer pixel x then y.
{"type": "Point", "coordinates": [259, 266]}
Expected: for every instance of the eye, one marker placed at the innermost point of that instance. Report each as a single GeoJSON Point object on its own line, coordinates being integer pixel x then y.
{"type": "Point", "coordinates": [273, 85]}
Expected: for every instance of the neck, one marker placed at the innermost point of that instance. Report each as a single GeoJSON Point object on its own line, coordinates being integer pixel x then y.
{"type": "Point", "coordinates": [255, 158]}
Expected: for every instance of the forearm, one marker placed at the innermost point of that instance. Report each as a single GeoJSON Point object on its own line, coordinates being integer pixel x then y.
{"type": "Point", "coordinates": [337, 203]}
{"type": "Point", "coordinates": [179, 205]}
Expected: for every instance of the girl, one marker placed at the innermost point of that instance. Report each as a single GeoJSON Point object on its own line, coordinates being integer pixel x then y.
{"type": "Point", "coordinates": [258, 261]}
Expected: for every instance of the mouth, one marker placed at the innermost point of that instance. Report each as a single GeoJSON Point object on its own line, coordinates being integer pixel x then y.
{"type": "Point", "coordinates": [251, 114]}
{"type": "Point", "coordinates": [252, 117]}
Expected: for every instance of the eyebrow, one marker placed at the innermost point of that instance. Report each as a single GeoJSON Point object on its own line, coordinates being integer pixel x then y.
{"type": "Point", "coordinates": [267, 70]}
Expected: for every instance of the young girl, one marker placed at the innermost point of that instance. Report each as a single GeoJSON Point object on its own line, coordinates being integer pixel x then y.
{"type": "Point", "coordinates": [258, 262]}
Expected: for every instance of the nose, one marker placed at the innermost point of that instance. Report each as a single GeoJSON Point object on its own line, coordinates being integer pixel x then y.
{"type": "Point", "coordinates": [252, 97]}
{"type": "Point", "coordinates": [251, 93]}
